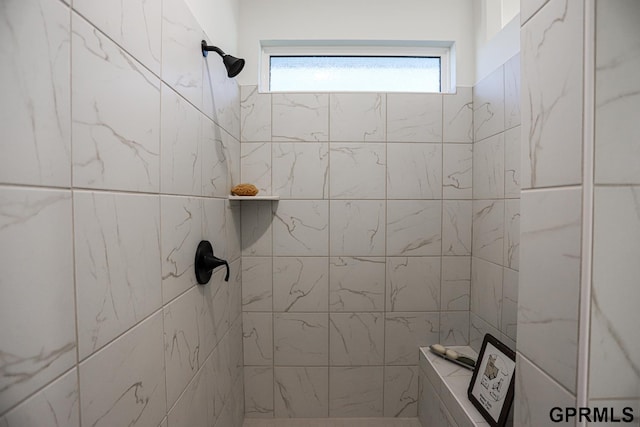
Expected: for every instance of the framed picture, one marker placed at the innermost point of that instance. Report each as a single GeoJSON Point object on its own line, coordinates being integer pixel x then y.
{"type": "Point", "coordinates": [491, 387]}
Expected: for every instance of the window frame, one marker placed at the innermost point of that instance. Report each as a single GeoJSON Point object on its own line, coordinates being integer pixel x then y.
{"type": "Point", "coordinates": [442, 50]}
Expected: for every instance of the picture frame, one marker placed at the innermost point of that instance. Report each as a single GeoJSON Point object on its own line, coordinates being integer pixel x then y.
{"type": "Point", "coordinates": [492, 384]}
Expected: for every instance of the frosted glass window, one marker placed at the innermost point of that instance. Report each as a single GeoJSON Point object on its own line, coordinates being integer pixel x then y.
{"type": "Point", "coordinates": [354, 74]}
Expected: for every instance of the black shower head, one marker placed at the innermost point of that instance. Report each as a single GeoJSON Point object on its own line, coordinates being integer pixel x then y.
{"type": "Point", "coordinates": [232, 64]}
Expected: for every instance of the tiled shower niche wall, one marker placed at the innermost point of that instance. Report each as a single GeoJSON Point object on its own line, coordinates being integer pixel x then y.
{"type": "Point", "coordinates": [365, 257]}
{"type": "Point", "coordinates": [119, 148]}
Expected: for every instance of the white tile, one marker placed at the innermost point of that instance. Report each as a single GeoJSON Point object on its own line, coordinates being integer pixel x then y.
{"type": "Point", "coordinates": [56, 404]}
{"type": "Point", "coordinates": [358, 117]}
{"type": "Point", "coordinates": [301, 392]}
{"type": "Point", "coordinates": [456, 227]}
{"type": "Point", "coordinates": [488, 168]}
{"type": "Point", "coordinates": [477, 330]}
{"type": "Point", "coordinates": [617, 93]}
{"type": "Point", "coordinates": [300, 284]}
{"type": "Point", "coordinates": [454, 328]}
{"type": "Point", "coordinates": [37, 302]}
{"type": "Point", "coordinates": [457, 115]}
{"type": "Point", "coordinates": [456, 281]}
{"type": "Point", "coordinates": [123, 383]}
{"type": "Point", "coordinates": [358, 170]}
{"type": "Point", "coordinates": [528, 8]}
{"type": "Point", "coordinates": [181, 63]}
{"type": "Point", "coordinates": [413, 227]}
{"type": "Point", "coordinates": [300, 170]}
{"type": "Point", "coordinates": [181, 231]}
{"type": "Point", "coordinates": [255, 114]}
{"type": "Point", "coordinates": [257, 283]}
{"type": "Point", "coordinates": [221, 95]}
{"type": "Point", "coordinates": [258, 392]}
{"type": "Point", "coordinates": [414, 171]}
{"type": "Point", "coordinates": [255, 165]}
{"type": "Point", "coordinates": [117, 253]}
{"type": "Point", "coordinates": [550, 247]}
{"type": "Point", "coordinates": [413, 284]}
{"type": "Point", "coordinates": [35, 119]}
{"type": "Point", "coordinates": [356, 339]}
{"type": "Point", "coordinates": [486, 291]}
{"type": "Point", "coordinates": [511, 250]}
{"type": "Point", "coordinates": [300, 117]}
{"type": "Point", "coordinates": [301, 339]}
{"type": "Point", "coordinates": [509, 321]}
{"type": "Point", "coordinates": [552, 95]}
{"type": "Point", "coordinates": [356, 284]}
{"type": "Point", "coordinates": [488, 230]}
{"type": "Point", "coordinates": [193, 408]}
{"type": "Point", "coordinates": [256, 223]}
{"type": "Point", "coordinates": [356, 392]}
{"type": "Point", "coordinates": [134, 25]}
{"type": "Point", "coordinates": [414, 117]}
{"type": "Point", "coordinates": [180, 146]}
{"type": "Point", "coordinates": [406, 332]}
{"type": "Point", "coordinates": [614, 359]}
{"type": "Point", "coordinates": [401, 391]}
{"type": "Point", "coordinates": [301, 227]}
{"type": "Point", "coordinates": [457, 171]}
{"type": "Point", "coordinates": [220, 227]}
{"type": "Point", "coordinates": [110, 149]}
{"type": "Point", "coordinates": [357, 227]}
{"type": "Point", "coordinates": [488, 105]}
{"type": "Point", "coordinates": [512, 159]}
{"type": "Point", "coordinates": [216, 159]}
{"type": "Point", "coordinates": [257, 332]}
{"type": "Point", "coordinates": [512, 92]}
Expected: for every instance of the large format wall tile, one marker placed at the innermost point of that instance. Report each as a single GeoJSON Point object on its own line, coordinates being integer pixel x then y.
{"type": "Point", "coordinates": [414, 171]}
{"type": "Point", "coordinates": [301, 228]}
{"type": "Point", "coordinates": [486, 291]}
{"type": "Point", "coordinates": [488, 168]}
{"type": "Point", "coordinates": [457, 115]}
{"type": "Point", "coordinates": [356, 284]}
{"type": "Point", "coordinates": [357, 227]}
{"type": "Point", "coordinates": [300, 117]}
{"type": "Point", "coordinates": [509, 320]}
{"type": "Point", "coordinates": [117, 245]}
{"type": "Point", "coordinates": [357, 171]}
{"type": "Point", "coordinates": [414, 227]}
{"type": "Point", "coordinates": [194, 408]}
{"type": "Point", "coordinates": [401, 391]}
{"type": "Point", "coordinates": [512, 158]}
{"type": "Point", "coordinates": [37, 300]}
{"type": "Point", "coordinates": [110, 150]}
{"type": "Point", "coordinates": [300, 170]}
{"type": "Point", "coordinates": [488, 105]}
{"type": "Point", "coordinates": [454, 328]}
{"type": "Point", "coordinates": [488, 230]}
{"type": "Point", "coordinates": [218, 163]}
{"type": "Point", "coordinates": [552, 95]}
{"type": "Point", "coordinates": [550, 245]}
{"type": "Point", "coordinates": [456, 227]}
{"type": "Point", "coordinates": [256, 166]}
{"type": "Point", "coordinates": [356, 392]}
{"type": "Point", "coordinates": [356, 339]}
{"type": "Point", "coordinates": [414, 117]}
{"type": "Point", "coordinates": [300, 339]}
{"type": "Point", "coordinates": [358, 117]}
{"type": "Point", "coordinates": [36, 128]}
{"type": "Point", "coordinates": [258, 392]}
{"type": "Point", "coordinates": [413, 284]}
{"type": "Point", "coordinates": [456, 282]}
{"type": "Point", "coordinates": [511, 250]}
{"type": "Point", "coordinates": [257, 235]}
{"type": "Point", "coordinates": [301, 284]}
{"type": "Point", "coordinates": [406, 332]}
{"type": "Point", "coordinates": [257, 333]}
{"type": "Point", "coordinates": [512, 85]}
{"type": "Point", "coordinates": [301, 392]}
{"type": "Point", "coordinates": [221, 95]}
{"type": "Point", "coordinates": [457, 171]}
{"type": "Point", "coordinates": [255, 114]}
{"type": "Point", "coordinates": [257, 283]}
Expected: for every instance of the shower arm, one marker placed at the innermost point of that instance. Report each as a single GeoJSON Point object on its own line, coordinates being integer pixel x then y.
{"type": "Point", "coordinates": [207, 48]}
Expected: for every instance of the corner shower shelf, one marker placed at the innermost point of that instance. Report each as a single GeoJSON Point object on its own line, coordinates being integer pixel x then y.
{"type": "Point", "coordinates": [254, 197]}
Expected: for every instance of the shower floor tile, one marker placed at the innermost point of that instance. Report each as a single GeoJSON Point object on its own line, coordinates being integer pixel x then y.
{"type": "Point", "coordinates": [332, 422]}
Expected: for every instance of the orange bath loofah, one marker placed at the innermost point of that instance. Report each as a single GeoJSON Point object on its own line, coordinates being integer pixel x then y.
{"type": "Point", "coordinates": [244, 190]}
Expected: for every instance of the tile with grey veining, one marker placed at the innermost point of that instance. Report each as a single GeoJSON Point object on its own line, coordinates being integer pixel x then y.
{"type": "Point", "coordinates": [406, 332]}
{"type": "Point", "coordinates": [180, 146]}
{"type": "Point", "coordinates": [181, 230]}
{"type": "Point", "coordinates": [617, 93]}
{"type": "Point", "coordinates": [36, 127]}
{"type": "Point", "coordinates": [414, 117]}
{"type": "Point", "coordinates": [194, 408]}
{"type": "Point", "coordinates": [219, 364]}
{"type": "Point", "coordinates": [37, 302]}
{"type": "Point", "coordinates": [301, 392]}
{"type": "Point", "coordinates": [488, 230]}
{"type": "Point", "coordinates": [300, 117]}
{"type": "Point", "coordinates": [400, 391]}
{"type": "Point", "coordinates": [257, 283]}
{"type": "Point", "coordinates": [477, 330]}
{"type": "Point", "coordinates": [358, 116]}
{"type": "Point", "coordinates": [301, 227]}
{"type": "Point", "coordinates": [414, 171]}
{"type": "Point", "coordinates": [512, 159]}
{"type": "Point", "coordinates": [356, 339]}
{"type": "Point", "coordinates": [488, 168]}
{"type": "Point", "coordinates": [457, 115]}
{"type": "Point", "coordinates": [456, 281]}
{"type": "Point", "coordinates": [552, 95]}
{"type": "Point", "coordinates": [454, 328]}
{"type": "Point", "coordinates": [512, 92]}
{"type": "Point", "coordinates": [256, 224]}
{"type": "Point", "coordinates": [486, 291]}
{"type": "Point", "coordinates": [550, 246]}
{"type": "Point", "coordinates": [216, 159]}
{"type": "Point", "coordinates": [134, 25]}
{"type": "Point", "coordinates": [300, 284]}
{"type": "Point", "coordinates": [509, 321]}
{"type": "Point", "coordinates": [356, 284]}
{"type": "Point", "coordinates": [529, 8]}
{"type": "Point", "coordinates": [488, 105]}
{"type": "Point", "coordinates": [357, 227]}
{"type": "Point", "coordinates": [255, 114]}
{"type": "Point", "coordinates": [413, 227]}
{"type": "Point", "coordinates": [457, 171]}
{"type": "Point", "coordinates": [55, 405]}
{"type": "Point", "coordinates": [456, 227]}
{"type": "Point", "coordinates": [217, 227]}
{"type": "Point", "coordinates": [511, 250]}
{"type": "Point", "coordinates": [110, 150]}
{"type": "Point", "coordinates": [117, 242]}
{"type": "Point", "coordinates": [257, 333]}
{"type": "Point", "coordinates": [255, 165]}
{"type": "Point", "coordinates": [232, 229]}
{"type": "Point", "coordinates": [221, 94]}
{"type": "Point", "coordinates": [181, 36]}
{"type": "Point", "coordinates": [258, 392]}
{"type": "Point", "coordinates": [358, 170]}
{"type": "Point", "coordinates": [301, 339]}
{"type": "Point", "coordinates": [300, 170]}
{"type": "Point", "coordinates": [413, 284]}
{"type": "Point", "coordinates": [120, 384]}
{"type": "Point", "coordinates": [356, 392]}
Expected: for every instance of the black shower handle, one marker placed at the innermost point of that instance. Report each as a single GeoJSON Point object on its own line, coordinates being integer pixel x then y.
{"type": "Point", "coordinates": [206, 262]}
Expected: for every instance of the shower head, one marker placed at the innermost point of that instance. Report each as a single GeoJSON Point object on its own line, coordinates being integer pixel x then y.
{"type": "Point", "coordinates": [232, 64]}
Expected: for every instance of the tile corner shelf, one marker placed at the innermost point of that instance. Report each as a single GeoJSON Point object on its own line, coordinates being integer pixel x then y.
{"type": "Point", "coordinates": [254, 197]}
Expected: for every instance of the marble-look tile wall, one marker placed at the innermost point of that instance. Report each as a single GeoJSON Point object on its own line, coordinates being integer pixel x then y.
{"type": "Point", "coordinates": [119, 145]}
{"type": "Point", "coordinates": [365, 257]}
{"type": "Point", "coordinates": [495, 247]}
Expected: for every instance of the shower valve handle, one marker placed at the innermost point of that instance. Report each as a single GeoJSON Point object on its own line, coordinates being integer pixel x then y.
{"type": "Point", "coordinates": [206, 262]}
